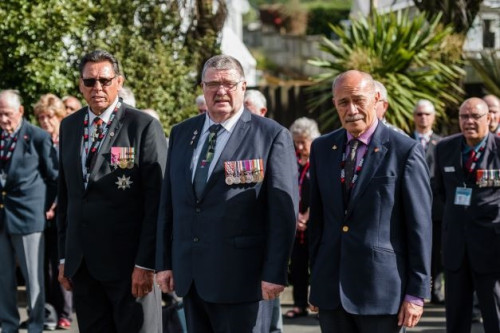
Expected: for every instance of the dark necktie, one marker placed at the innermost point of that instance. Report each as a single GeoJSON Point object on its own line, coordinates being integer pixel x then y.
{"type": "Point", "coordinates": [470, 160]}
{"type": "Point", "coordinates": [204, 160]}
{"type": "Point", "coordinates": [350, 165]}
{"type": "Point", "coordinates": [96, 133]}
{"type": "Point", "coordinates": [423, 142]}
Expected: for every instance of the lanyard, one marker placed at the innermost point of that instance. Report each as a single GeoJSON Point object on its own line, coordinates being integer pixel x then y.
{"type": "Point", "coordinates": [357, 170]}
{"type": "Point", "coordinates": [97, 141]}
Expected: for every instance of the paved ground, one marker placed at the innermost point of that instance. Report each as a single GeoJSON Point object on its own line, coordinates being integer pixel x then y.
{"type": "Point", "coordinates": [433, 320]}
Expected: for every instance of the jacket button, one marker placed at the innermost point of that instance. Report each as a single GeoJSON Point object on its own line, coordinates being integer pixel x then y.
{"type": "Point", "coordinates": [198, 210]}
{"type": "Point", "coordinates": [4, 193]}
{"type": "Point", "coordinates": [1, 206]}
{"type": "Point", "coordinates": [196, 239]}
{"type": "Point", "coordinates": [345, 228]}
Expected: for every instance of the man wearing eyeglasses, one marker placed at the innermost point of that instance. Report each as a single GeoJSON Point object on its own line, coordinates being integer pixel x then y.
{"type": "Point", "coordinates": [112, 159]}
{"type": "Point", "coordinates": [467, 172]}
{"type": "Point", "coordinates": [424, 115]}
{"type": "Point", "coordinates": [228, 207]}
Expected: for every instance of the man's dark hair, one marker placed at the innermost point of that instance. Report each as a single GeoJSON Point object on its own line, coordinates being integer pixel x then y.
{"type": "Point", "coordinates": [99, 56]}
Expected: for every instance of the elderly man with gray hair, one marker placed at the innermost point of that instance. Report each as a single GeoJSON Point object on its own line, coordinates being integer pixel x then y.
{"type": "Point", "coordinates": [383, 105]}
{"type": "Point", "coordinates": [255, 102]}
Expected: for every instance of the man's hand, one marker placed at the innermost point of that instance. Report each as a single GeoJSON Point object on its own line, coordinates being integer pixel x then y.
{"type": "Point", "coordinates": [271, 290]}
{"type": "Point", "coordinates": [51, 213]}
{"type": "Point", "coordinates": [409, 314]}
{"type": "Point", "coordinates": [313, 308]}
{"type": "Point", "coordinates": [165, 280]}
{"type": "Point", "coordinates": [142, 282]}
{"type": "Point", "coordinates": [64, 281]}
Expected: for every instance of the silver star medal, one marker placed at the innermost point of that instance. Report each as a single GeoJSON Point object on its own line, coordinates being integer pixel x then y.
{"type": "Point", "coordinates": [123, 182]}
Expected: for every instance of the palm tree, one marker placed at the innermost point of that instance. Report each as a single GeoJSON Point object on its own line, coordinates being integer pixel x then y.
{"type": "Point", "coordinates": [404, 53]}
{"type": "Point", "coordinates": [488, 68]}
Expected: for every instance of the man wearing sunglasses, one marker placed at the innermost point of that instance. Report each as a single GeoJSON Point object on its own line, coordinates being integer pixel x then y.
{"type": "Point", "coordinates": [467, 172]}
{"type": "Point", "coordinates": [112, 158]}
{"type": "Point", "coordinates": [228, 207]}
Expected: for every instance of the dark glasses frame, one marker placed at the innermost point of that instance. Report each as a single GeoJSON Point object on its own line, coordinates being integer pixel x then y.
{"type": "Point", "coordinates": [105, 82]}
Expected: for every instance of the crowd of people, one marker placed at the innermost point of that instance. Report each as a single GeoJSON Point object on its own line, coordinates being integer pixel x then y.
{"type": "Point", "coordinates": [101, 214]}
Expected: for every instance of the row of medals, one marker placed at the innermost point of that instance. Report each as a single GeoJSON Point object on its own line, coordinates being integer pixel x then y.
{"type": "Point", "coordinates": [236, 173]}
{"type": "Point", "coordinates": [488, 178]}
{"type": "Point", "coordinates": [125, 163]}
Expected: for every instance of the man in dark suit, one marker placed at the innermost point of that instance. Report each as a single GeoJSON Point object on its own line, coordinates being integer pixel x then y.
{"type": "Point", "coordinates": [424, 115]}
{"type": "Point", "coordinates": [28, 177]}
{"type": "Point", "coordinates": [467, 174]}
{"type": "Point", "coordinates": [228, 207]}
{"type": "Point", "coordinates": [370, 219]}
{"type": "Point", "coordinates": [112, 159]}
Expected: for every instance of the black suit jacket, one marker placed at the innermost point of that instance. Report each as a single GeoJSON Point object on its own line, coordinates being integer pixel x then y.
{"type": "Point", "coordinates": [234, 236]}
{"type": "Point", "coordinates": [469, 230]}
{"type": "Point", "coordinates": [111, 228]}
{"type": "Point", "coordinates": [368, 255]}
{"type": "Point", "coordinates": [31, 182]}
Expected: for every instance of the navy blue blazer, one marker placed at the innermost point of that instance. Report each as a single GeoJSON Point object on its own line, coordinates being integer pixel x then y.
{"type": "Point", "coordinates": [112, 227]}
{"type": "Point", "coordinates": [476, 227]}
{"type": "Point", "coordinates": [367, 256]}
{"type": "Point", "coordinates": [234, 236]}
{"type": "Point", "coordinates": [31, 181]}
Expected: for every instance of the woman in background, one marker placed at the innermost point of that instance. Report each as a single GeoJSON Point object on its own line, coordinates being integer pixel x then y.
{"type": "Point", "coordinates": [304, 131]}
{"type": "Point", "coordinates": [49, 111]}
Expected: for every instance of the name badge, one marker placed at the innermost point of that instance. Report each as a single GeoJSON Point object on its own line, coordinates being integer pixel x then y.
{"type": "Point", "coordinates": [449, 169]}
{"type": "Point", "coordinates": [463, 196]}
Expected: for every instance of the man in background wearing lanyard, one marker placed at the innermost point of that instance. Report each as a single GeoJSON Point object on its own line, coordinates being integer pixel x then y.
{"type": "Point", "coordinates": [467, 172]}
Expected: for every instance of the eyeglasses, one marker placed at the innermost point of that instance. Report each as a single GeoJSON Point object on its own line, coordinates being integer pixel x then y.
{"type": "Point", "coordinates": [105, 82]}
{"type": "Point", "coordinates": [215, 85]}
{"type": "Point", "coordinates": [420, 114]}
{"type": "Point", "coordinates": [473, 116]}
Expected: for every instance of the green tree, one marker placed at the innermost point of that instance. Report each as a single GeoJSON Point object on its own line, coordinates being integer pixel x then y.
{"type": "Point", "coordinates": [161, 46]}
{"type": "Point", "coordinates": [488, 68]}
{"type": "Point", "coordinates": [403, 53]}
{"type": "Point", "coordinates": [33, 55]}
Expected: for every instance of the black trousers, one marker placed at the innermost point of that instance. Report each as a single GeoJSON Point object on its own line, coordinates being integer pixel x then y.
{"type": "Point", "coordinates": [299, 270]}
{"type": "Point", "coordinates": [338, 320]}
{"type": "Point", "coordinates": [207, 317]}
{"type": "Point", "coordinates": [460, 286]}
{"type": "Point", "coordinates": [105, 306]}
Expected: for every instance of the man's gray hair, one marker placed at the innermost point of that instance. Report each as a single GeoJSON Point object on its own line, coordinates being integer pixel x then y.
{"type": "Point", "coordinates": [305, 127]}
{"type": "Point", "coordinates": [127, 95]}
{"type": "Point", "coordinates": [379, 87]}
{"type": "Point", "coordinates": [13, 97]}
{"type": "Point", "coordinates": [223, 62]}
{"type": "Point", "coordinates": [200, 100]}
{"type": "Point", "coordinates": [256, 97]}
{"type": "Point", "coordinates": [424, 103]}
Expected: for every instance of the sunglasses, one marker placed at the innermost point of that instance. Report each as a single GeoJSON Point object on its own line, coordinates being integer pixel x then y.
{"type": "Point", "coordinates": [105, 82]}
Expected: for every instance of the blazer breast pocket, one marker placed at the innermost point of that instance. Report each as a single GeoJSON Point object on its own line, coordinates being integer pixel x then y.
{"type": "Point", "coordinates": [384, 180]}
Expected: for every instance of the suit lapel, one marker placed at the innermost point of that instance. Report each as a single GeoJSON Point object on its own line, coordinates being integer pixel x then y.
{"type": "Point", "coordinates": [490, 154]}
{"type": "Point", "coordinates": [22, 146]}
{"type": "Point", "coordinates": [333, 160]}
{"type": "Point", "coordinates": [374, 157]}
{"type": "Point", "coordinates": [235, 140]}
{"type": "Point", "coordinates": [195, 133]}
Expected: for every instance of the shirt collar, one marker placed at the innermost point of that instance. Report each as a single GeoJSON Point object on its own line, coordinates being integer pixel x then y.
{"type": "Point", "coordinates": [366, 137]}
{"type": "Point", "coordinates": [427, 135]}
{"type": "Point", "coordinates": [466, 148]}
{"type": "Point", "coordinates": [105, 115]}
{"type": "Point", "coordinates": [228, 125]}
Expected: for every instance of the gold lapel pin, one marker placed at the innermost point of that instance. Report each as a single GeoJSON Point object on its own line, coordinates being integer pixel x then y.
{"type": "Point", "coordinates": [111, 134]}
{"type": "Point", "coordinates": [334, 147]}
{"type": "Point", "coordinates": [376, 149]}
